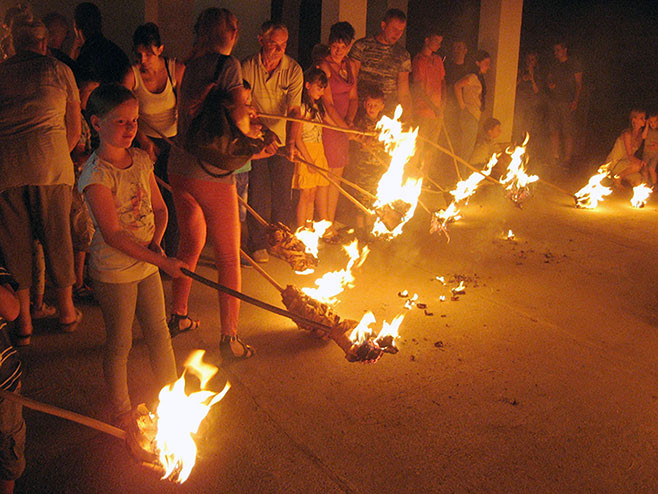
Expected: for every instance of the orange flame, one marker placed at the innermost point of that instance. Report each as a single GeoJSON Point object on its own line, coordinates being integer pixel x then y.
{"type": "Point", "coordinates": [333, 283]}
{"type": "Point", "coordinates": [178, 416]}
{"type": "Point", "coordinates": [393, 186]}
{"type": "Point", "coordinates": [641, 194]}
{"type": "Point", "coordinates": [364, 332]}
{"type": "Point", "coordinates": [516, 178]}
{"type": "Point", "coordinates": [593, 193]}
{"type": "Point", "coordinates": [310, 237]}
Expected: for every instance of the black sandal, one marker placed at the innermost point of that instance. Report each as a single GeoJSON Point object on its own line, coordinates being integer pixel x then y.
{"type": "Point", "coordinates": [226, 351]}
{"type": "Point", "coordinates": [174, 324]}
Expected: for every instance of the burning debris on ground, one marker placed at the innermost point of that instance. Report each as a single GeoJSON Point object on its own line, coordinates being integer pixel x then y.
{"type": "Point", "coordinates": [285, 245]}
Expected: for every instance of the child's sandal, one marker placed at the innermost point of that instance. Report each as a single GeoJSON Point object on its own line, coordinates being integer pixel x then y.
{"type": "Point", "coordinates": [175, 327]}
{"type": "Point", "coordinates": [226, 351]}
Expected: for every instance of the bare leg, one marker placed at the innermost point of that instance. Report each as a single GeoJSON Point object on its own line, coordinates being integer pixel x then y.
{"type": "Point", "coordinates": [79, 266]}
{"type": "Point", "coordinates": [302, 206]}
{"type": "Point", "coordinates": [65, 305]}
{"type": "Point", "coordinates": [332, 196]}
{"type": "Point", "coordinates": [321, 198]}
{"type": "Point", "coordinates": [7, 486]}
{"type": "Point", "coordinates": [24, 316]}
{"type": "Point", "coordinates": [568, 148]}
{"type": "Point", "coordinates": [555, 144]}
{"type": "Point", "coordinates": [310, 206]}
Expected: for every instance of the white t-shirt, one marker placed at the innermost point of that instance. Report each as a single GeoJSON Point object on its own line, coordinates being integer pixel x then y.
{"type": "Point", "coordinates": [131, 191]}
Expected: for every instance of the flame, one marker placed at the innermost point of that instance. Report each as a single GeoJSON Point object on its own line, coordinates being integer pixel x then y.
{"type": "Point", "coordinates": [178, 416]}
{"type": "Point", "coordinates": [333, 283]}
{"type": "Point", "coordinates": [516, 178]}
{"type": "Point", "coordinates": [640, 195]}
{"type": "Point", "coordinates": [462, 193]}
{"type": "Point", "coordinates": [393, 187]}
{"type": "Point", "coordinates": [593, 193]}
{"type": "Point", "coordinates": [510, 235]}
{"type": "Point", "coordinates": [364, 332]}
{"type": "Point", "coordinates": [459, 289]}
{"type": "Point", "coordinates": [310, 237]}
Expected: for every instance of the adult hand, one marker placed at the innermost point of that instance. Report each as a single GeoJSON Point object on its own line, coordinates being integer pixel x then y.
{"type": "Point", "coordinates": [290, 151]}
{"type": "Point", "coordinates": [172, 267]}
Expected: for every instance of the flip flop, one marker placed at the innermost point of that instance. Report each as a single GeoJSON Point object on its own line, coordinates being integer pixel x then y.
{"type": "Point", "coordinates": [72, 326]}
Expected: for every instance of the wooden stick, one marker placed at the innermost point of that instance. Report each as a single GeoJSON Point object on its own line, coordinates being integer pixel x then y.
{"type": "Point", "coordinates": [559, 189]}
{"type": "Point", "coordinates": [319, 124]}
{"type": "Point", "coordinates": [262, 272]}
{"type": "Point", "coordinates": [445, 129]}
{"type": "Point", "coordinates": [461, 160]}
{"type": "Point", "coordinates": [64, 414]}
{"type": "Point", "coordinates": [253, 212]}
{"type": "Point", "coordinates": [254, 301]}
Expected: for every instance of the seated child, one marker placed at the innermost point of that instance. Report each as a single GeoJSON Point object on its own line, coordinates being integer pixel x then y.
{"type": "Point", "coordinates": [650, 154]}
{"type": "Point", "coordinates": [486, 144]}
{"type": "Point", "coordinates": [129, 217]}
{"type": "Point", "coordinates": [367, 162]}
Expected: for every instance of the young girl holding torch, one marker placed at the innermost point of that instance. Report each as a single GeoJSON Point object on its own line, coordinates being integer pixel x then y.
{"type": "Point", "coordinates": [130, 217]}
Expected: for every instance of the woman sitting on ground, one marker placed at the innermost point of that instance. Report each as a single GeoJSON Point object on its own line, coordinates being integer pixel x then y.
{"type": "Point", "coordinates": [623, 164]}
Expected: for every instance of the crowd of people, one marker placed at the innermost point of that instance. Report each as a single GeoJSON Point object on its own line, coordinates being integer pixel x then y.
{"type": "Point", "coordinates": [95, 175]}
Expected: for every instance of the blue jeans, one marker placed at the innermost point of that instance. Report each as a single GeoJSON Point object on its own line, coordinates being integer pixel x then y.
{"type": "Point", "coordinates": [270, 181]}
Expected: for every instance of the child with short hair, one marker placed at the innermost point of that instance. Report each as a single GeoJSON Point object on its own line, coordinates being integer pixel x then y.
{"type": "Point", "coordinates": [650, 153]}
{"type": "Point", "coordinates": [311, 184]}
{"type": "Point", "coordinates": [130, 217]}
{"type": "Point", "coordinates": [366, 167]}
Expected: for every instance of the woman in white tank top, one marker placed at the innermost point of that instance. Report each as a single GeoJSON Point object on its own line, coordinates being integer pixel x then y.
{"type": "Point", "coordinates": [154, 80]}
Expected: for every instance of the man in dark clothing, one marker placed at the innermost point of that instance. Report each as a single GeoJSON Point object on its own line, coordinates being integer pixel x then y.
{"type": "Point", "coordinates": [565, 83]}
{"type": "Point", "coordinates": [98, 55]}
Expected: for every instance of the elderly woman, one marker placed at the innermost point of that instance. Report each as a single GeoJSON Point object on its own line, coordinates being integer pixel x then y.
{"type": "Point", "coordinates": [39, 126]}
{"type": "Point", "coordinates": [207, 204]}
{"type": "Point", "coordinates": [340, 101]}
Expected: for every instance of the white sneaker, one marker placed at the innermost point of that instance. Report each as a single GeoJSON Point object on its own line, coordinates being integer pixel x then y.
{"type": "Point", "coordinates": [261, 256]}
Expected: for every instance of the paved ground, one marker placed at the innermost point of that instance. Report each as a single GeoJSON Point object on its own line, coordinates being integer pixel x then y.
{"type": "Point", "coordinates": [542, 378]}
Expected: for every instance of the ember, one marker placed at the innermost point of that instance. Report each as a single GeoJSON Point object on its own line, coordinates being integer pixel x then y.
{"type": "Point", "coordinates": [459, 290]}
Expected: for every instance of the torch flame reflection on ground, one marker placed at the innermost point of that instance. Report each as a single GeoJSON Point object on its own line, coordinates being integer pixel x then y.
{"type": "Point", "coordinates": [593, 193]}
{"type": "Point", "coordinates": [640, 195]}
{"type": "Point", "coordinates": [395, 191]}
{"type": "Point", "coordinates": [333, 283]}
{"type": "Point", "coordinates": [178, 417]}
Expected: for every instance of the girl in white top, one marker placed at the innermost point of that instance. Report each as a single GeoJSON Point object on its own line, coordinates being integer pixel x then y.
{"type": "Point", "coordinates": [130, 217]}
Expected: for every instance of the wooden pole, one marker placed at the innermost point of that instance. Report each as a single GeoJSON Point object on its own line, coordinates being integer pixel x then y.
{"type": "Point", "coordinates": [445, 130]}
{"type": "Point", "coordinates": [253, 212]}
{"type": "Point", "coordinates": [319, 124]}
{"type": "Point", "coordinates": [461, 160]}
{"type": "Point", "coordinates": [64, 414]}
{"type": "Point", "coordinates": [262, 272]}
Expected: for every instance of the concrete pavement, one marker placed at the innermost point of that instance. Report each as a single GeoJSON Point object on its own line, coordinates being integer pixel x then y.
{"type": "Point", "coordinates": [542, 378]}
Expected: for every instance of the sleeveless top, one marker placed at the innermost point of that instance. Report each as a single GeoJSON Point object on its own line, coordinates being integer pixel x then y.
{"type": "Point", "coordinates": [618, 151]}
{"type": "Point", "coordinates": [157, 110]}
{"type": "Point", "coordinates": [337, 144]}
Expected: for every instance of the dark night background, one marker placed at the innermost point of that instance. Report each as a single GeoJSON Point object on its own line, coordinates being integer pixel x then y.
{"type": "Point", "coordinates": [616, 41]}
